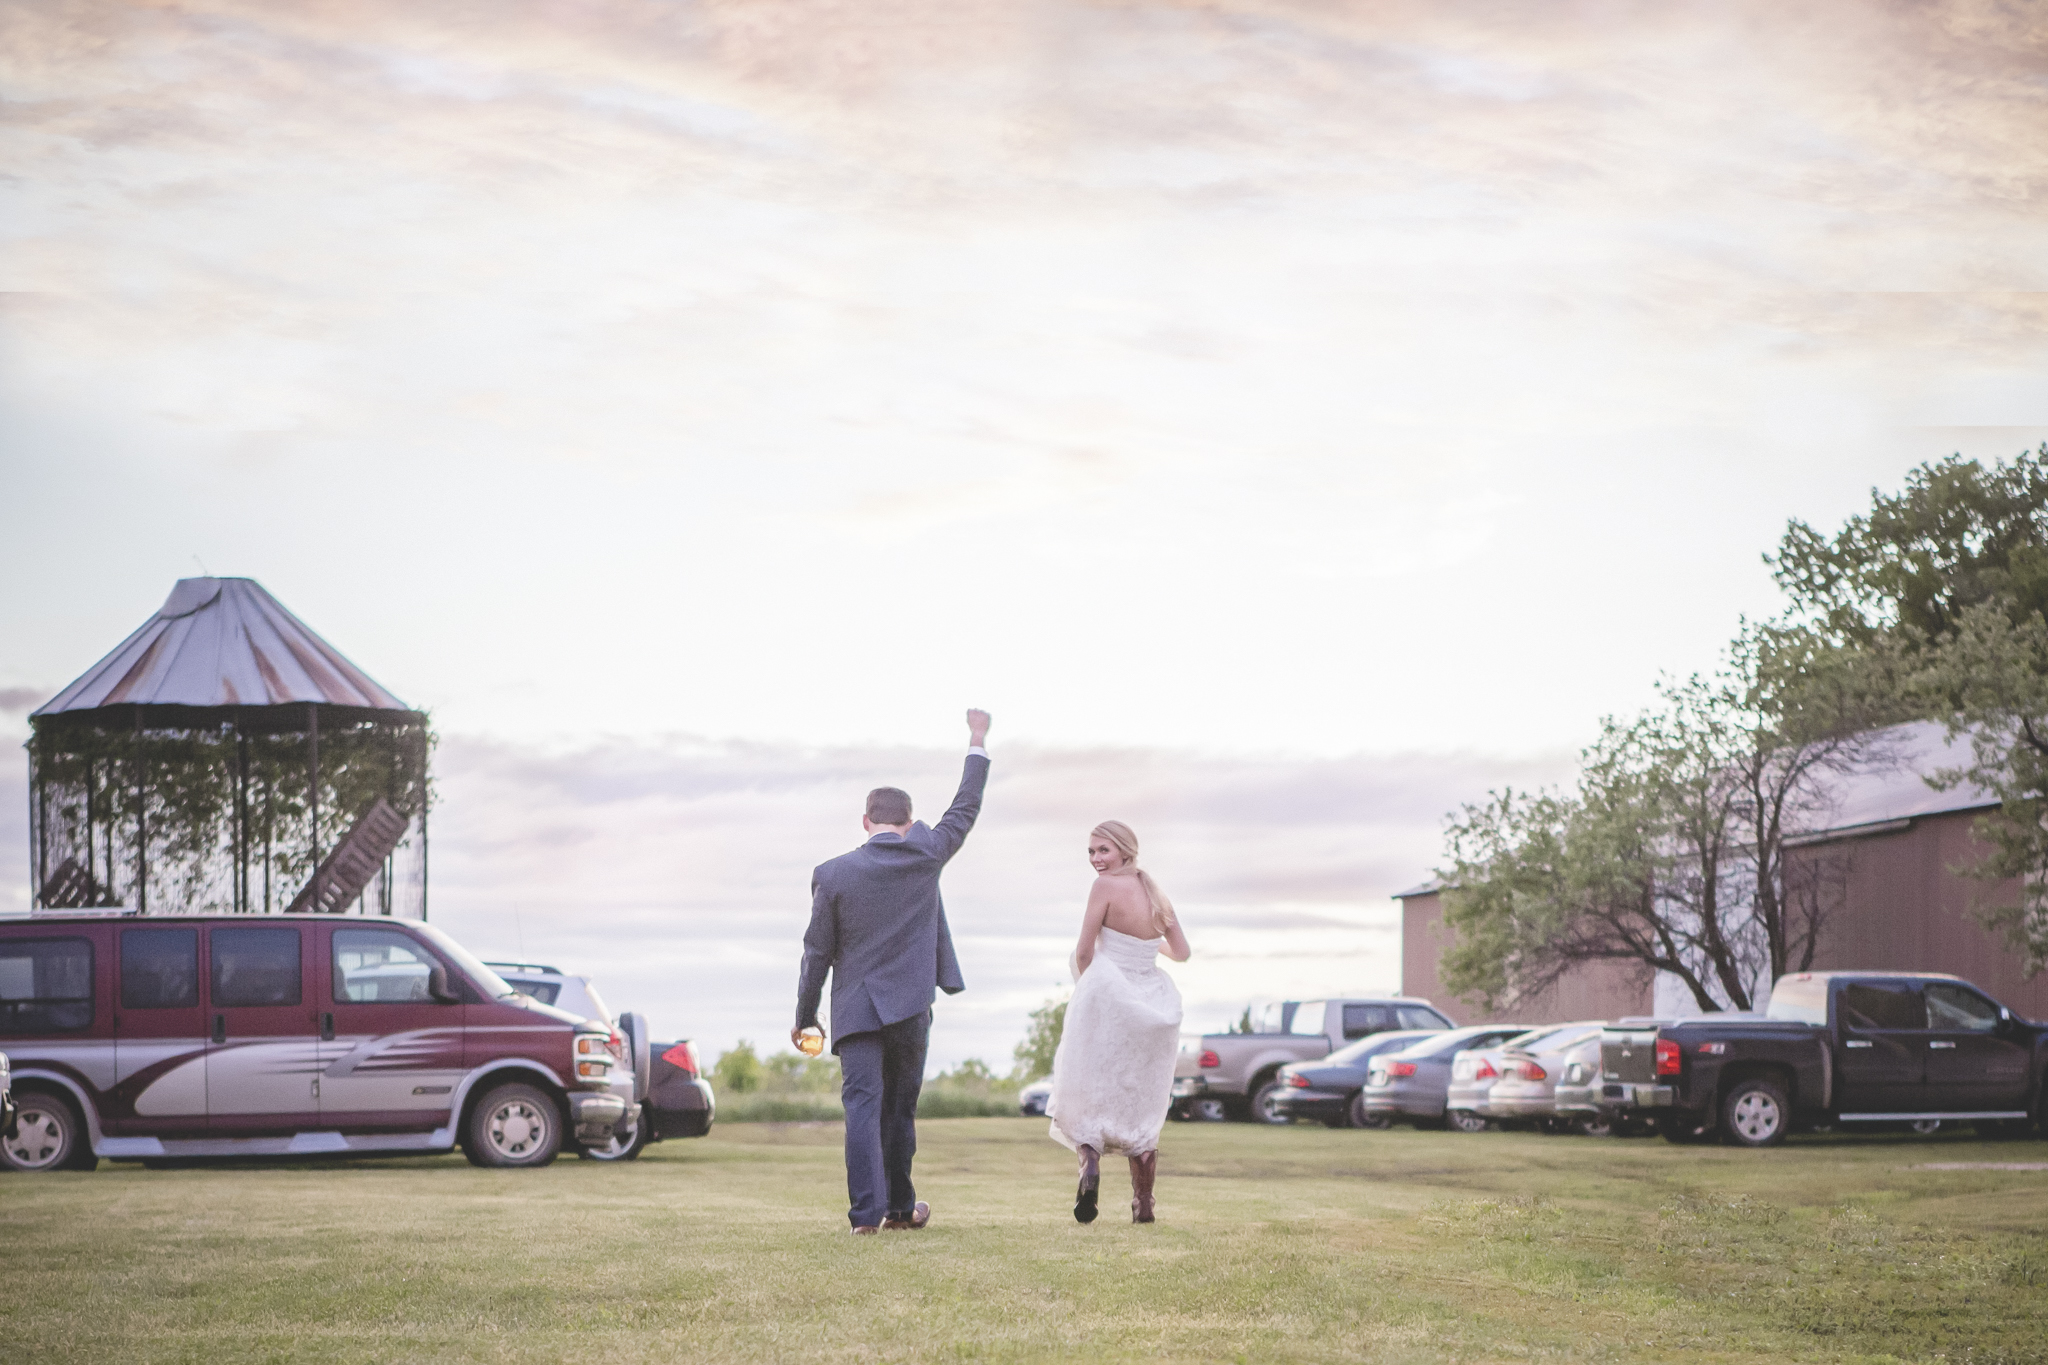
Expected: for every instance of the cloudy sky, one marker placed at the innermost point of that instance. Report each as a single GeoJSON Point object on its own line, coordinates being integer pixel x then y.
{"type": "Point", "coordinates": [1291, 420]}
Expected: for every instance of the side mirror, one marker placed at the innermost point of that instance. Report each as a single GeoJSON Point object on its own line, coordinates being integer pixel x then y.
{"type": "Point", "coordinates": [437, 985]}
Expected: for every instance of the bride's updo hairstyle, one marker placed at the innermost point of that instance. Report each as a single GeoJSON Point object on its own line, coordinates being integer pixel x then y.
{"type": "Point", "coordinates": [1126, 842]}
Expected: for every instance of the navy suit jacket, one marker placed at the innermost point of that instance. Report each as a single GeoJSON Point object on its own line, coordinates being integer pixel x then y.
{"type": "Point", "coordinates": [878, 925]}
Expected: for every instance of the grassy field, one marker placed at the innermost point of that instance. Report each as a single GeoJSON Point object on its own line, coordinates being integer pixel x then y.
{"type": "Point", "coordinates": [1273, 1245]}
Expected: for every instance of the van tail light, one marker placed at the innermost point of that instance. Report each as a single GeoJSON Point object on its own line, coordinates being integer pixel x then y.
{"type": "Point", "coordinates": [1668, 1058]}
{"type": "Point", "coordinates": [1297, 1080]}
{"type": "Point", "coordinates": [1210, 1061]}
{"type": "Point", "coordinates": [1484, 1071]}
{"type": "Point", "coordinates": [1400, 1068]}
{"type": "Point", "coordinates": [682, 1057]}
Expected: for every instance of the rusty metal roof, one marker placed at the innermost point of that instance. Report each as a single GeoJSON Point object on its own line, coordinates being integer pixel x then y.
{"type": "Point", "coordinates": [222, 642]}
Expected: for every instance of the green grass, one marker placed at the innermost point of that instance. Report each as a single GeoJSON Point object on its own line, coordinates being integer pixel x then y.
{"type": "Point", "coordinates": [1286, 1244]}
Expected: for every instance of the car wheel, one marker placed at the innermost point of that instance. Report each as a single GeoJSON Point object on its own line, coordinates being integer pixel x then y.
{"type": "Point", "coordinates": [1925, 1127]}
{"type": "Point", "coordinates": [514, 1125]}
{"type": "Point", "coordinates": [1208, 1111]}
{"type": "Point", "coordinates": [1465, 1121]}
{"type": "Point", "coordinates": [1598, 1125]}
{"type": "Point", "coordinates": [48, 1136]}
{"type": "Point", "coordinates": [615, 1150]}
{"type": "Point", "coordinates": [1266, 1107]}
{"type": "Point", "coordinates": [1681, 1127]}
{"type": "Point", "coordinates": [1755, 1113]}
{"type": "Point", "coordinates": [1361, 1117]}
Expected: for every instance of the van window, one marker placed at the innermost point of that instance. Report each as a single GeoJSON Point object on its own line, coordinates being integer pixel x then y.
{"type": "Point", "coordinates": [1883, 1005]}
{"type": "Point", "coordinates": [255, 967]}
{"type": "Point", "coordinates": [159, 969]}
{"type": "Point", "coordinates": [1308, 1017]}
{"type": "Point", "coordinates": [1361, 1020]}
{"type": "Point", "coordinates": [45, 985]}
{"type": "Point", "coordinates": [379, 967]}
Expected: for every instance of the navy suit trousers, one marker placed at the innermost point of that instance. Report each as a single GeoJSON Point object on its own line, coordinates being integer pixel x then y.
{"type": "Point", "coordinates": [881, 1073]}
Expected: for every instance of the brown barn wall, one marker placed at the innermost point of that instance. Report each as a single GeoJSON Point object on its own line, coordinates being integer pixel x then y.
{"type": "Point", "coordinates": [1904, 908]}
{"type": "Point", "coordinates": [1603, 990]}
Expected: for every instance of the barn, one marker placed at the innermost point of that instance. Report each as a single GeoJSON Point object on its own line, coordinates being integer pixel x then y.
{"type": "Point", "coordinates": [1898, 850]}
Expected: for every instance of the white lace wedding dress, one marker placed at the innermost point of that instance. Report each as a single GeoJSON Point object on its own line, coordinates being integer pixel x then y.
{"type": "Point", "coordinates": [1112, 1077]}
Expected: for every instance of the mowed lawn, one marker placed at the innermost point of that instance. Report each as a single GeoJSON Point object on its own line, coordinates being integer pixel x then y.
{"type": "Point", "coordinates": [1273, 1244]}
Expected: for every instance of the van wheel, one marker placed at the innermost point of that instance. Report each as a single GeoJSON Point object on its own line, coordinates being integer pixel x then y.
{"type": "Point", "coordinates": [615, 1150]}
{"type": "Point", "coordinates": [48, 1136]}
{"type": "Point", "coordinates": [1755, 1113]}
{"type": "Point", "coordinates": [514, 1125]}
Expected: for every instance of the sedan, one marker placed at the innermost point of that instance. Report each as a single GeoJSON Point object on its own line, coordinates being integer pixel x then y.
{"type": "Point", "coordinates": [1331, 1089]}
{"type": "Point", "coordinates": [1031, 1098]}
{"type": "Point", "coordinates": [1530, 1068]}
{"type": "Point", "coordinates": [1410, 1086]}
{"type": "Point", "coordinates": [1576, 1097]}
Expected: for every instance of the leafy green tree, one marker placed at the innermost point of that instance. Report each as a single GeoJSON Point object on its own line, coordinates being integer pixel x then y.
{"type": "Point", "coordinates": [1244, 1022]}
{"type": "Point", "coordinates": [1670, 852]}
{"type": "Point", "coordinates": [793, 1073]}
{"type": "Point", "coordinates": [1959, 535]}
{"type": "Point", "coordinates": [737, 1070]}
{"type": "Point", "coordinates": [1041, 1040]}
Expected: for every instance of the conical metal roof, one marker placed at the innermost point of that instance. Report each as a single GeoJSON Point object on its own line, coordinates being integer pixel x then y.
{"type": "Point", "coordinates": [222, 642]}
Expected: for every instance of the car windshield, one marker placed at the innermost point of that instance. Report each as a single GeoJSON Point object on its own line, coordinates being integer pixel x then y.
{"type": "Point", "coordinates": [1533, 1036]}
{"type": "Point", "coordinates": [487, 980]}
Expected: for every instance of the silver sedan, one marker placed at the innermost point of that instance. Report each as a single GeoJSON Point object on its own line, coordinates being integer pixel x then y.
{"type": "Point", "coordinates": [1530, 1068]}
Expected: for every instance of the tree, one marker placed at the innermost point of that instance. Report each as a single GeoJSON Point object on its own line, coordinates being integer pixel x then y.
{"type": "Point", "coordinates": [1041, 1040]}
{"type": "Point", "coordinates": [1671, 852]}
{"type": "Point", "coordinates": [737, 1070]}
{"type": "Point", "coordinates": [1958, 536]}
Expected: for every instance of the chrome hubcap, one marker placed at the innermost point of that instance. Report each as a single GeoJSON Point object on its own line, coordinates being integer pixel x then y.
{"type": "Point", "coordinates": [1756, 1116]}
{"type": "Point", "coordinates": [516, 1128]}
{"type": "Point", "coordinates": [38, 1140]}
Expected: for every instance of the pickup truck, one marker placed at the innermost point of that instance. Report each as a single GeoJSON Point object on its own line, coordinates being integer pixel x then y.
{"type": "Point", "coordinates": [1236, 1075]}
{"type": "Point", "coordinates": [1832, 1048]}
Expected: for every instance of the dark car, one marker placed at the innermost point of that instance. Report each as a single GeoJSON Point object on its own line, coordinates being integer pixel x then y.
{"type": "Point", "coordinates": [1410, 1086]}
{"type": "Point", "coordinates": [678, 1103]}
{"type": "Point", "coordinates": [1837, 1048]}
{"type": "Point", "coordinates": [1331, 1090]}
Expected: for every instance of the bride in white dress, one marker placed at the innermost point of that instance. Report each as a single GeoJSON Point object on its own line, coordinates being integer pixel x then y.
{"type": "Point", "coordinates": [1112, 1078]}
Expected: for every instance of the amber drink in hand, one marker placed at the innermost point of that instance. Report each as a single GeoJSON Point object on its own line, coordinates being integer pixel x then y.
{"type": "Point", "coordinates": [811, 1042]}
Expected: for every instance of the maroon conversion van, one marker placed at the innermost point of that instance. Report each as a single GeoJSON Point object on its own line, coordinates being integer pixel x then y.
{"type": "Point", "coordinates": [284, 1035]}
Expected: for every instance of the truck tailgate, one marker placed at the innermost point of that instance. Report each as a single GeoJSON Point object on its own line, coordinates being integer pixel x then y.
{"type": "Point", "coordinates": [1629, 1055]}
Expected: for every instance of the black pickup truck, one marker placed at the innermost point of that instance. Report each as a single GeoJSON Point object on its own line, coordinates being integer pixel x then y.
{"type": "Point", "coordinates": [1833, 1048]}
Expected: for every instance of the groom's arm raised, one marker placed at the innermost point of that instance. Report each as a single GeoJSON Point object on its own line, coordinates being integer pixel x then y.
{"type": "Point", "coordinates": [959, 818]}
{"type": "Point", "coordinates": [821, 946]}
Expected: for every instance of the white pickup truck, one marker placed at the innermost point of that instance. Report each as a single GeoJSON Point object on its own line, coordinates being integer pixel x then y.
{"type": "Point", "coordinates": [1233, 1075]}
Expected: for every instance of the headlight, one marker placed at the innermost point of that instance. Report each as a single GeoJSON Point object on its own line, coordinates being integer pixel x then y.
{"type": "Point", "coordinates": [593, 1045]}
{"type": "Point", "coordinates": [593, 1071]}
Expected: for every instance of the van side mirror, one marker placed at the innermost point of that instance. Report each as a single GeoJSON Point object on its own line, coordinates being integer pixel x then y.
{"type": "Point", "coordinates": [437, 985]}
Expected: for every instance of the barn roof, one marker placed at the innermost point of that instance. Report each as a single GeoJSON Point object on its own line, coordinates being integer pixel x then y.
{"type": "Point", "coordinates": [222, 642]}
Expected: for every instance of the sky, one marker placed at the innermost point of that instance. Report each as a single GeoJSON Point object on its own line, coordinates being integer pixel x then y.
{"type": "Point", "coordinates": [1291, 420]}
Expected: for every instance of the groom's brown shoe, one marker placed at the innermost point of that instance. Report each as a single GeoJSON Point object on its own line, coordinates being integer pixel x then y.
{"type": "Point", "coordinates": [920, 1214]}
{"type": "Point", "coordinates": [866, 1232]}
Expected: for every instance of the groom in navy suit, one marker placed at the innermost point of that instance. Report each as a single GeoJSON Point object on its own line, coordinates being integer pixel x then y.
{"type": "Point", "coordinates": [878, 925]}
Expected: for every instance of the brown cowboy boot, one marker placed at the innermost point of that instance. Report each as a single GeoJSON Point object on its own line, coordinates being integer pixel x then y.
{"type": "Point", "coordinates": [1091, 1182]}
{"type": "Point", "coordinates": [1144, 1169]}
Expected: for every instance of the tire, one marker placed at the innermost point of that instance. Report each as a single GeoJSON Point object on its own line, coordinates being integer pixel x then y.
{"type": "Point", "coordinates": [514, 1126]}
{"type": "Point", "coordinates": [1596, 1125]}
{"type": "Point", "coordinates": [1264, 1110]}
{"type": "Point", "coordinates": [1924, 1127]}
{"type": "Point", "coordinates": [1208, 1111]}
{"type": "Point", "coordinates": [1756, 1113]}
{"type": "Point", "coordinates": [617, 1151]}
{"type": "Point", "coordinates": [1465, 1121]}
{"type": "Point", "coordinates": [1361, 1117]}
{"type": "Point", "coordinates": [48, 1135]}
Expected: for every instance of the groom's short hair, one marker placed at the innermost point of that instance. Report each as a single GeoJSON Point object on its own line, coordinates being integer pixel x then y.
{"type": "Point", "coordinates": [889, 806]}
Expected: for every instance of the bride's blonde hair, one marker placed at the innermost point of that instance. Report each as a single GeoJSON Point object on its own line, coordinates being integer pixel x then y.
{"type": "Point", "coordinates": [1121, 835]}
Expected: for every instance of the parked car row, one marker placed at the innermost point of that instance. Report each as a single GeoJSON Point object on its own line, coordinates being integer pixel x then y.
{"type": "Point", "coordinates": [293, 1035]}
{"type": "Point", "coordinates": [1834, 1049]}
